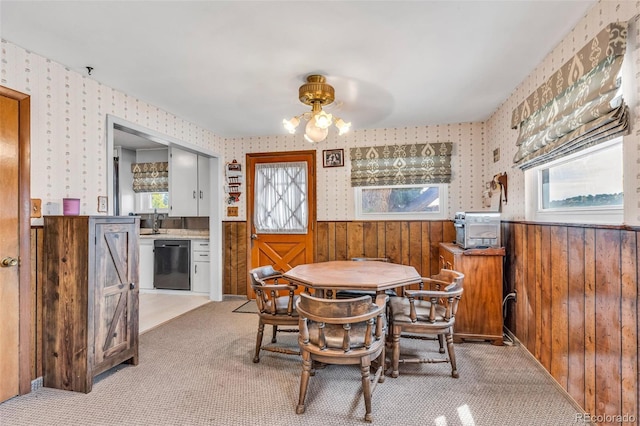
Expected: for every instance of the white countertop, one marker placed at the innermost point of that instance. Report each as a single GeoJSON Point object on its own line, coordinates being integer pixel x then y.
{"type": "Point", "coordinates": [175, 234]}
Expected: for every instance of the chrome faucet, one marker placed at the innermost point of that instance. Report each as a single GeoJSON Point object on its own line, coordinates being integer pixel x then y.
{"type": "Point", "coordinates": [155, 221]}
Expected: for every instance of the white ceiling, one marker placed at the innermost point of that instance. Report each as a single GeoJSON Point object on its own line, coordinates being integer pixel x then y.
{"type": "Point", "coordinates": [234, 67]}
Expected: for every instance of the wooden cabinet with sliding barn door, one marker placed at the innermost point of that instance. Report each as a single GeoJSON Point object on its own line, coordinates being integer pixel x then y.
{"type": "Point", "coordinates": [90, 298]}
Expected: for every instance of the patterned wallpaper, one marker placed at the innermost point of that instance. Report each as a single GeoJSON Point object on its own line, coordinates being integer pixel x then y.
{"type": "Point", "coordinates": [68, 134]}
{"type": "Point", "coordinates": [502, 136]}
{"type": "Point", "coordinates": [474, 143]}
{"type": "Point", "coordinates": [335, 196]}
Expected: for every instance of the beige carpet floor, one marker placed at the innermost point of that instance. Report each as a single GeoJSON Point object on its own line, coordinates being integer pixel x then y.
{"type": "Point", "coordinates": [197, 370]}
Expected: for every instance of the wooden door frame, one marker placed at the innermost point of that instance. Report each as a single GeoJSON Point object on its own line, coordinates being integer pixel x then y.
{"type": "Point", "coordinates": [24, 232]}
{"type": "Point", "coordinates": [312, 212]}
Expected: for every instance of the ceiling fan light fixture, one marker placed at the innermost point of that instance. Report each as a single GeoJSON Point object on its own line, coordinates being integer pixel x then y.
{"type": "Point", "coordinates": [316, 93]}
{"type": "Point", "coordinates": [291, 125]}
{"type": "Point", "coordinates": [323, 120]}
{"type": "Point", "coordinates": [313, 133]}
{"type": "Point", "coordinates": [342, 126]}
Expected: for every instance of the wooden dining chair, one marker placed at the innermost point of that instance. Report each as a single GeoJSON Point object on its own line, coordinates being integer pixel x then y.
{"type": "Point", "coordinates": [342, 331]}
{"type": "Point", "coordinates": [426, 312]}
{"type": "Point", "coordinates": [276, 307]}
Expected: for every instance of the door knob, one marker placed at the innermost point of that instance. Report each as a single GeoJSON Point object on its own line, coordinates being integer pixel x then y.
{"type": "Point", "coordinates": [8, 261]}
{"type": "Point", "coordinates": [254, 236]}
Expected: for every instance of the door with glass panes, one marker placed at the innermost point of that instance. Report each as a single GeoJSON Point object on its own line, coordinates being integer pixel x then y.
{"type": "Point", "coordinates": [281, 209]}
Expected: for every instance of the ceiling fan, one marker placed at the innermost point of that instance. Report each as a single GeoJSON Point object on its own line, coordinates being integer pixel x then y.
{"type": "Point", "coordinates": [317, 93]}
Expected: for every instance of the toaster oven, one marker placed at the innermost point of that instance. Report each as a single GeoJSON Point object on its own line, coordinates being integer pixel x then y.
{"type": "Point", "coordinates": [477, 229]}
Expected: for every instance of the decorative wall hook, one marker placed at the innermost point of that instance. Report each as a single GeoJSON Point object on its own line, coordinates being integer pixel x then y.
{"type": "Point", "coordinates": [500, 180]}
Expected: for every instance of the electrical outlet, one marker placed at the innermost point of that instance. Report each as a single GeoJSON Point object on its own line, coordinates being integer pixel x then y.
{"type": "Point", "coordinates": [102, 204]}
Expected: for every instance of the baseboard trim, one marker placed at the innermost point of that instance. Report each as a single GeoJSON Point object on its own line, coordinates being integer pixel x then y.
{"type": "Point", "coordinates": [558, 386]}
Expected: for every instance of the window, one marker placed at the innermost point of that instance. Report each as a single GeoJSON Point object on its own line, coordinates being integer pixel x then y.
{"type": "Point", "coordinates": [150, 201]}
{"type": "Point", "coordinates": [280, 198]}
{"type": "Point", "coordinates": [584, 188]}
{"type": "Point", "coordinates": [401, 202]}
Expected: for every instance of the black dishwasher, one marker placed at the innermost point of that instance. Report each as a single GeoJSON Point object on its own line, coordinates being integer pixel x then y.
{"type": "Point", "coordinates": [171, 264]}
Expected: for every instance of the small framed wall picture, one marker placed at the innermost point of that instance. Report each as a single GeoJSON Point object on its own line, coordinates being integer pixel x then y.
{"type": "Point", "coordinates": [333, 158]}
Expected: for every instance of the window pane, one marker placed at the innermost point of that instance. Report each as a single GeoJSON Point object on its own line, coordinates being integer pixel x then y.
{"type": "Point", "coordinates": [591, 181]}
{"type": "Point", "coordinates": [280, 198]}
{"type": "Point", "coordinates": [401, 200]}
{"type": "Point", "coordinates": [159, 200]}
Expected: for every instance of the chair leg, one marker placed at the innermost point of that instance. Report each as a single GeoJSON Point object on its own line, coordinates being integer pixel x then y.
{"type": "Point", "coordinates": [452, 355]}
{"type": "Point", "coordinates": [365, 367]}
{"type": "Point", "coordinates": [275, 331]}
{"type": "Point", "coordinates": [256, 357]}
{"type": "Point", "coordinates": [382, 359]}
{"type": "Point", "coordinates": [304, 380]}
{"type": "Point", "coordinates": [441, 342]}
{"type": "Point", "coordinates": [395, 351]}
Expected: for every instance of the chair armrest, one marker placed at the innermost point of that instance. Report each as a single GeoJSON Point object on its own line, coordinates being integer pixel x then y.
{"type": "Point", "coordinates": [269, 279]}
{"type": "Point", "coordinates": [374, 312]}
{"type": "Point", "coordinates": [433, 283]}
{"type": "Point", "coordinates": [436, 298]}
{"type": "Point", "coordinates": [278, 287]}
{"type": "Point", "coordinates": [427, 293]}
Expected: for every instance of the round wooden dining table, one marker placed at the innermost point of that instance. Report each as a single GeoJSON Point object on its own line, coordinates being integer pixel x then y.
{"type": "Point", "coordinates": [338, 275]}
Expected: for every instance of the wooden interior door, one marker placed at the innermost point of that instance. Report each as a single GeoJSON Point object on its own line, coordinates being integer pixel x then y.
{"type": "Point", "coordinates": [14, 257]}
{"type": "Point", "coordinates": [282, 250]}
{"type": "Point", "coordinates": [116, 292]}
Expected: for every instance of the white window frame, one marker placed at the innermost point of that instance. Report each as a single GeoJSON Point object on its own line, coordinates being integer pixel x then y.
{"type": "Point", "coordinates": [590, 215]}
{"type": "Point", "coordinates": [441, 214]}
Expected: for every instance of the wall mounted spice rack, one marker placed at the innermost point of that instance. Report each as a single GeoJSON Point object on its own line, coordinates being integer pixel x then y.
{"type": "Point", "coordinates": [234, 177]}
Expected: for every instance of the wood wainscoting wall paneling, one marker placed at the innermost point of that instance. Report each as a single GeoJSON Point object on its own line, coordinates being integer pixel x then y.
{"type": "Point", "coordinates": [577, 308]}
{"type": "Point", "coordinates": [629, 322]}
{"type": "Point", "coordinates": [412, 243]}
{"type": "Point", "coordinates": [235, 269]}
{"type": "Point", "coordinates": [577, 314]}
{"type": "Point", "coordinates": [37, 278]}
{"type": "Point", "coordinates": [558, 312]}
{"type": "Point", "coordinates": [607, 318]}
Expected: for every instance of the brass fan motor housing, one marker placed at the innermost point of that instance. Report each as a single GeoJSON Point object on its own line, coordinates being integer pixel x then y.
{"type": "Point", "coordinates": [316, 90]}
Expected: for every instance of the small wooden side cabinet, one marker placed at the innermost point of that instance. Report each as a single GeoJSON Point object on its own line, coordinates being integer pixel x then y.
{"type": "Point", "coordinates": [479, 313]}
{"type": "Point", "coordinates": [90, 298]}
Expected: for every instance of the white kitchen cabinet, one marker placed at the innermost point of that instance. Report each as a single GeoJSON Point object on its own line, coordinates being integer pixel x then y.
{"type": "Point", "coordinates": [188, 183]}
{"type": "Point", "coordinates": [146, 264]}
{"type": "Point", "coordinates": [200, 270]}
{"type": "Point", "coordinates": [204, 186]}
